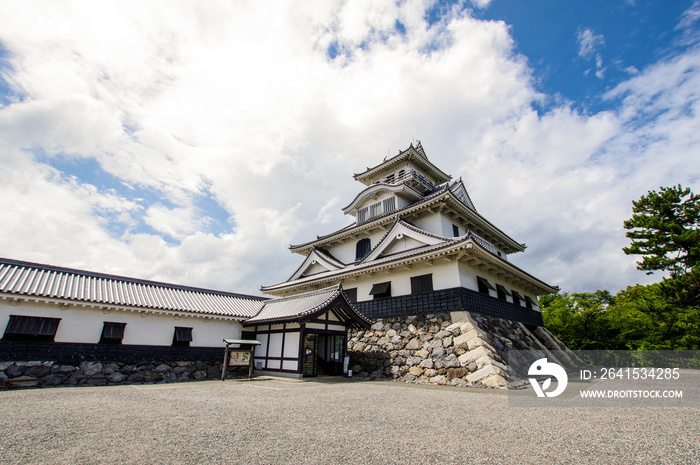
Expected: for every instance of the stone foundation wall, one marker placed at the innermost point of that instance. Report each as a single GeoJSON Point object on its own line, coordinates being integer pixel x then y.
{"type": "Point", "coordinates": [457, 348]}
{"type": "Point", "coordinates": [48, 373]}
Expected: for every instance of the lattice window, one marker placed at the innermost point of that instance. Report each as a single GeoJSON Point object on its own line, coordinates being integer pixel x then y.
{"type": "Point", "coordinates": [362, 215]}
{"type": "Point", "coordinates": [389, 204]}
{"type": "Point", "coordinates": [422, 284]}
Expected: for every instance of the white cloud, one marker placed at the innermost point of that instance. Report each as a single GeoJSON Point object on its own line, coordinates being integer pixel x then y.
{"type": "Point", "coordinates": [241, 103]}
{"type": "Point", "coordinates": [589, 46]}
{"type": "Point", "coordinates": [177, 223]}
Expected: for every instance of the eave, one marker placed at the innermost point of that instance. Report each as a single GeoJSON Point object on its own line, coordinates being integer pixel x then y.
{"type": "Point", "coordinates": [401, 190]}
{"type": "Point", "coordinates": [65, 304]}
{"type": "Point", "coordinates": [333, 299]}
{"type": "Point", "coordinates": [467, 250]}
{"type": "Point", "coordinates": [444, 199]}
{"type": "Point", "coordinates": [408, 155]}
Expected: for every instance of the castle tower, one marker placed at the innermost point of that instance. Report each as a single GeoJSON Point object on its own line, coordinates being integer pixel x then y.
{"type": "Point", "coordinates": [417, 246]}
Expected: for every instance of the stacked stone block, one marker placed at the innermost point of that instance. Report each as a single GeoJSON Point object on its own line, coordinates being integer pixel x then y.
{"type": "Point", "coordinates": [48, 373]}
{"type": "Point", "coordinates": [457, 348]}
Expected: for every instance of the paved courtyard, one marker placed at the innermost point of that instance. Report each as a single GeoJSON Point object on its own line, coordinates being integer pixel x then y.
{"type": "Point", "coordinates": [276, 420]}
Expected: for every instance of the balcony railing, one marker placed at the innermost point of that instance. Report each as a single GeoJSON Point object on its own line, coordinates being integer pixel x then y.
{"type": "Point", "coordinates": [411, 178]}
{"type": "Point", "coordinates": [482, 242]}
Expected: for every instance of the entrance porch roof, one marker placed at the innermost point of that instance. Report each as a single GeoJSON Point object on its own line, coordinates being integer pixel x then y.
{"type": "Point", "coordinates": [301, 308]}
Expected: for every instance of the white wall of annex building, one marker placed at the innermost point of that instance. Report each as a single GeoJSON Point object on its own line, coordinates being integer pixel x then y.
{"type": "Point", "coordinates": [84, 324]}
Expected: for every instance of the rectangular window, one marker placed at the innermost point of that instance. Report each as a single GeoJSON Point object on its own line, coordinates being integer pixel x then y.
{"type": "Point", "coordinates": [455, 231]}
{"type": "Point", "coordinates": [31, 328]}
{"type": "Point", "coordinates": [182, 336]}
{"type": "Point", "coordinates": [362, 248]}
{"type": "Point", "coordinates": [502, 292]}
{"type": "Point", "coordinates": [529, 303]}
{"type": "Point", "coordinates": [422, 284]}
{"type": "Point", "coordinates": [381, 290]}
{"type": "Point", "coordinates": [112, 333]}
{"type": "Point", "coordinates": [517, 299]}
{"type": "Point", "coordinates": [484, 285]}
{"type": "Point", "coordinates": [351, 294]}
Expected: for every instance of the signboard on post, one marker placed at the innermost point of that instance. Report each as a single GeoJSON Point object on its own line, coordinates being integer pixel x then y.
{"type": "Point", "coordinates": [239, 357]}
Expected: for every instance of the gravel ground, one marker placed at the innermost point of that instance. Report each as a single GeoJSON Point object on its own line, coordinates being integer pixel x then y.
{"type": "Point", "coordinates": [275, 420]}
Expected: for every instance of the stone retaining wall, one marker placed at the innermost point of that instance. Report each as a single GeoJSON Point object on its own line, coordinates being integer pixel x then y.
{"type": "Point", "coordinates": [457, 348]}
{"type": "Point", "coordinates": [48, 373]}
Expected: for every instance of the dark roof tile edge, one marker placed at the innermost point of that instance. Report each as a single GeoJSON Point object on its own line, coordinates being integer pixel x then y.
{"type": "Point", "coordinates": [145, 282]}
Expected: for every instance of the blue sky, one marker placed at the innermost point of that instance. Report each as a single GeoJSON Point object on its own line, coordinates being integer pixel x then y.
{"type": "Point", "coordinates": [193, 143]}
{"type": "Point", "coordinates": [563, 41]}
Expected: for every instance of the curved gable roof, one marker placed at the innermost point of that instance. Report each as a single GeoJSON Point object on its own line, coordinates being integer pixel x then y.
{"type": "Point", "coordinates": [413, 154]}
{"type": "Point", "coordinates": [400, 231]}
{"type": "Point", "coordinates": [302, 307]}
{"type": "Point", "coordinates": [407, 192]}
{"type": "Point", "coordinates": [317, 256]}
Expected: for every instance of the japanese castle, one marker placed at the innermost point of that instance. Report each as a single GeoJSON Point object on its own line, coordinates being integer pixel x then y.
{"type": "Point", "coordinates": [417, 245]}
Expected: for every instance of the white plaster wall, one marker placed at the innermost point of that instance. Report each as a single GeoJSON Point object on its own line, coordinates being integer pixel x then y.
{"type": "Point", "coordinates": [290, 365]}
{"type": "Point", "coordinates": [431, 222]}
{"type": "Point", "coordinates": [401, 245]}
{"type": "Point", "coordinates": [402, 203]}
{"type": "Point", "coordinates": [467, 276]}
{"type": "Point", "coordinates": [345, 252]}
{"type": "Point", "coordinates": [291, 345]}
{"type": "Point", "coordinates": [261, 350]}
{"type": "Point", "coordinates": [445, 276]}
{"type": "Point", "coordinates": [446, 226]}
{"type": "Point", "coordinates": [84, 324]}
{"type": "Point", "coordinates": [275, 345]}
{"type": "Point", "coordinates": [331, 327]}
{"type": "Point", "coordinates": [314, 269]}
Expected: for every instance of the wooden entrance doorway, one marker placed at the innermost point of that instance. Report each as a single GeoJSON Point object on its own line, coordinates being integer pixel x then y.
{"type": "Point", "coordinates": [323, 354]}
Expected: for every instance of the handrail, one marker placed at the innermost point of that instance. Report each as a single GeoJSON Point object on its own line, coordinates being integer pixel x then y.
{"type": "Point", "coordinates": [481, 241]}
{"type": "Point", "coordinates": [408, 175]}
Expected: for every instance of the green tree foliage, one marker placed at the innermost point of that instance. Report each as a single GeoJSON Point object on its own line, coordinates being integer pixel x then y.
{"type": "Point", "coordinates": [664, 230]}
{"type": "Point", "coordinates": [661, 316]}
{"type": "Point", "coordinates": [636, 318]}
{"type": "Point", "coordinates": [578, 319]}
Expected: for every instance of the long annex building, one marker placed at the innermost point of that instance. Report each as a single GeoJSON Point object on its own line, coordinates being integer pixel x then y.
{"type": "Point", "coordinates": [416, 246]}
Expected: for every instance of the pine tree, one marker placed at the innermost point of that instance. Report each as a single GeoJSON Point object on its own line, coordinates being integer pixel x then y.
{"type": "Point", "coordinates": [664, 229]}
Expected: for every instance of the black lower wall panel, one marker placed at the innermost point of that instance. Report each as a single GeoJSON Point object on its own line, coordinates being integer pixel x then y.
{"type": "Point", "coordinates": [71, 353]}
{"type": "Point", "coordinates": [448, 300]}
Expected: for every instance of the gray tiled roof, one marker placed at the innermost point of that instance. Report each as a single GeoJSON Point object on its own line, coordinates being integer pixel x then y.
{"type": "Point", "coordinates": [37, 280]}
{"type": "Point", "coordinates": [298, 306]}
